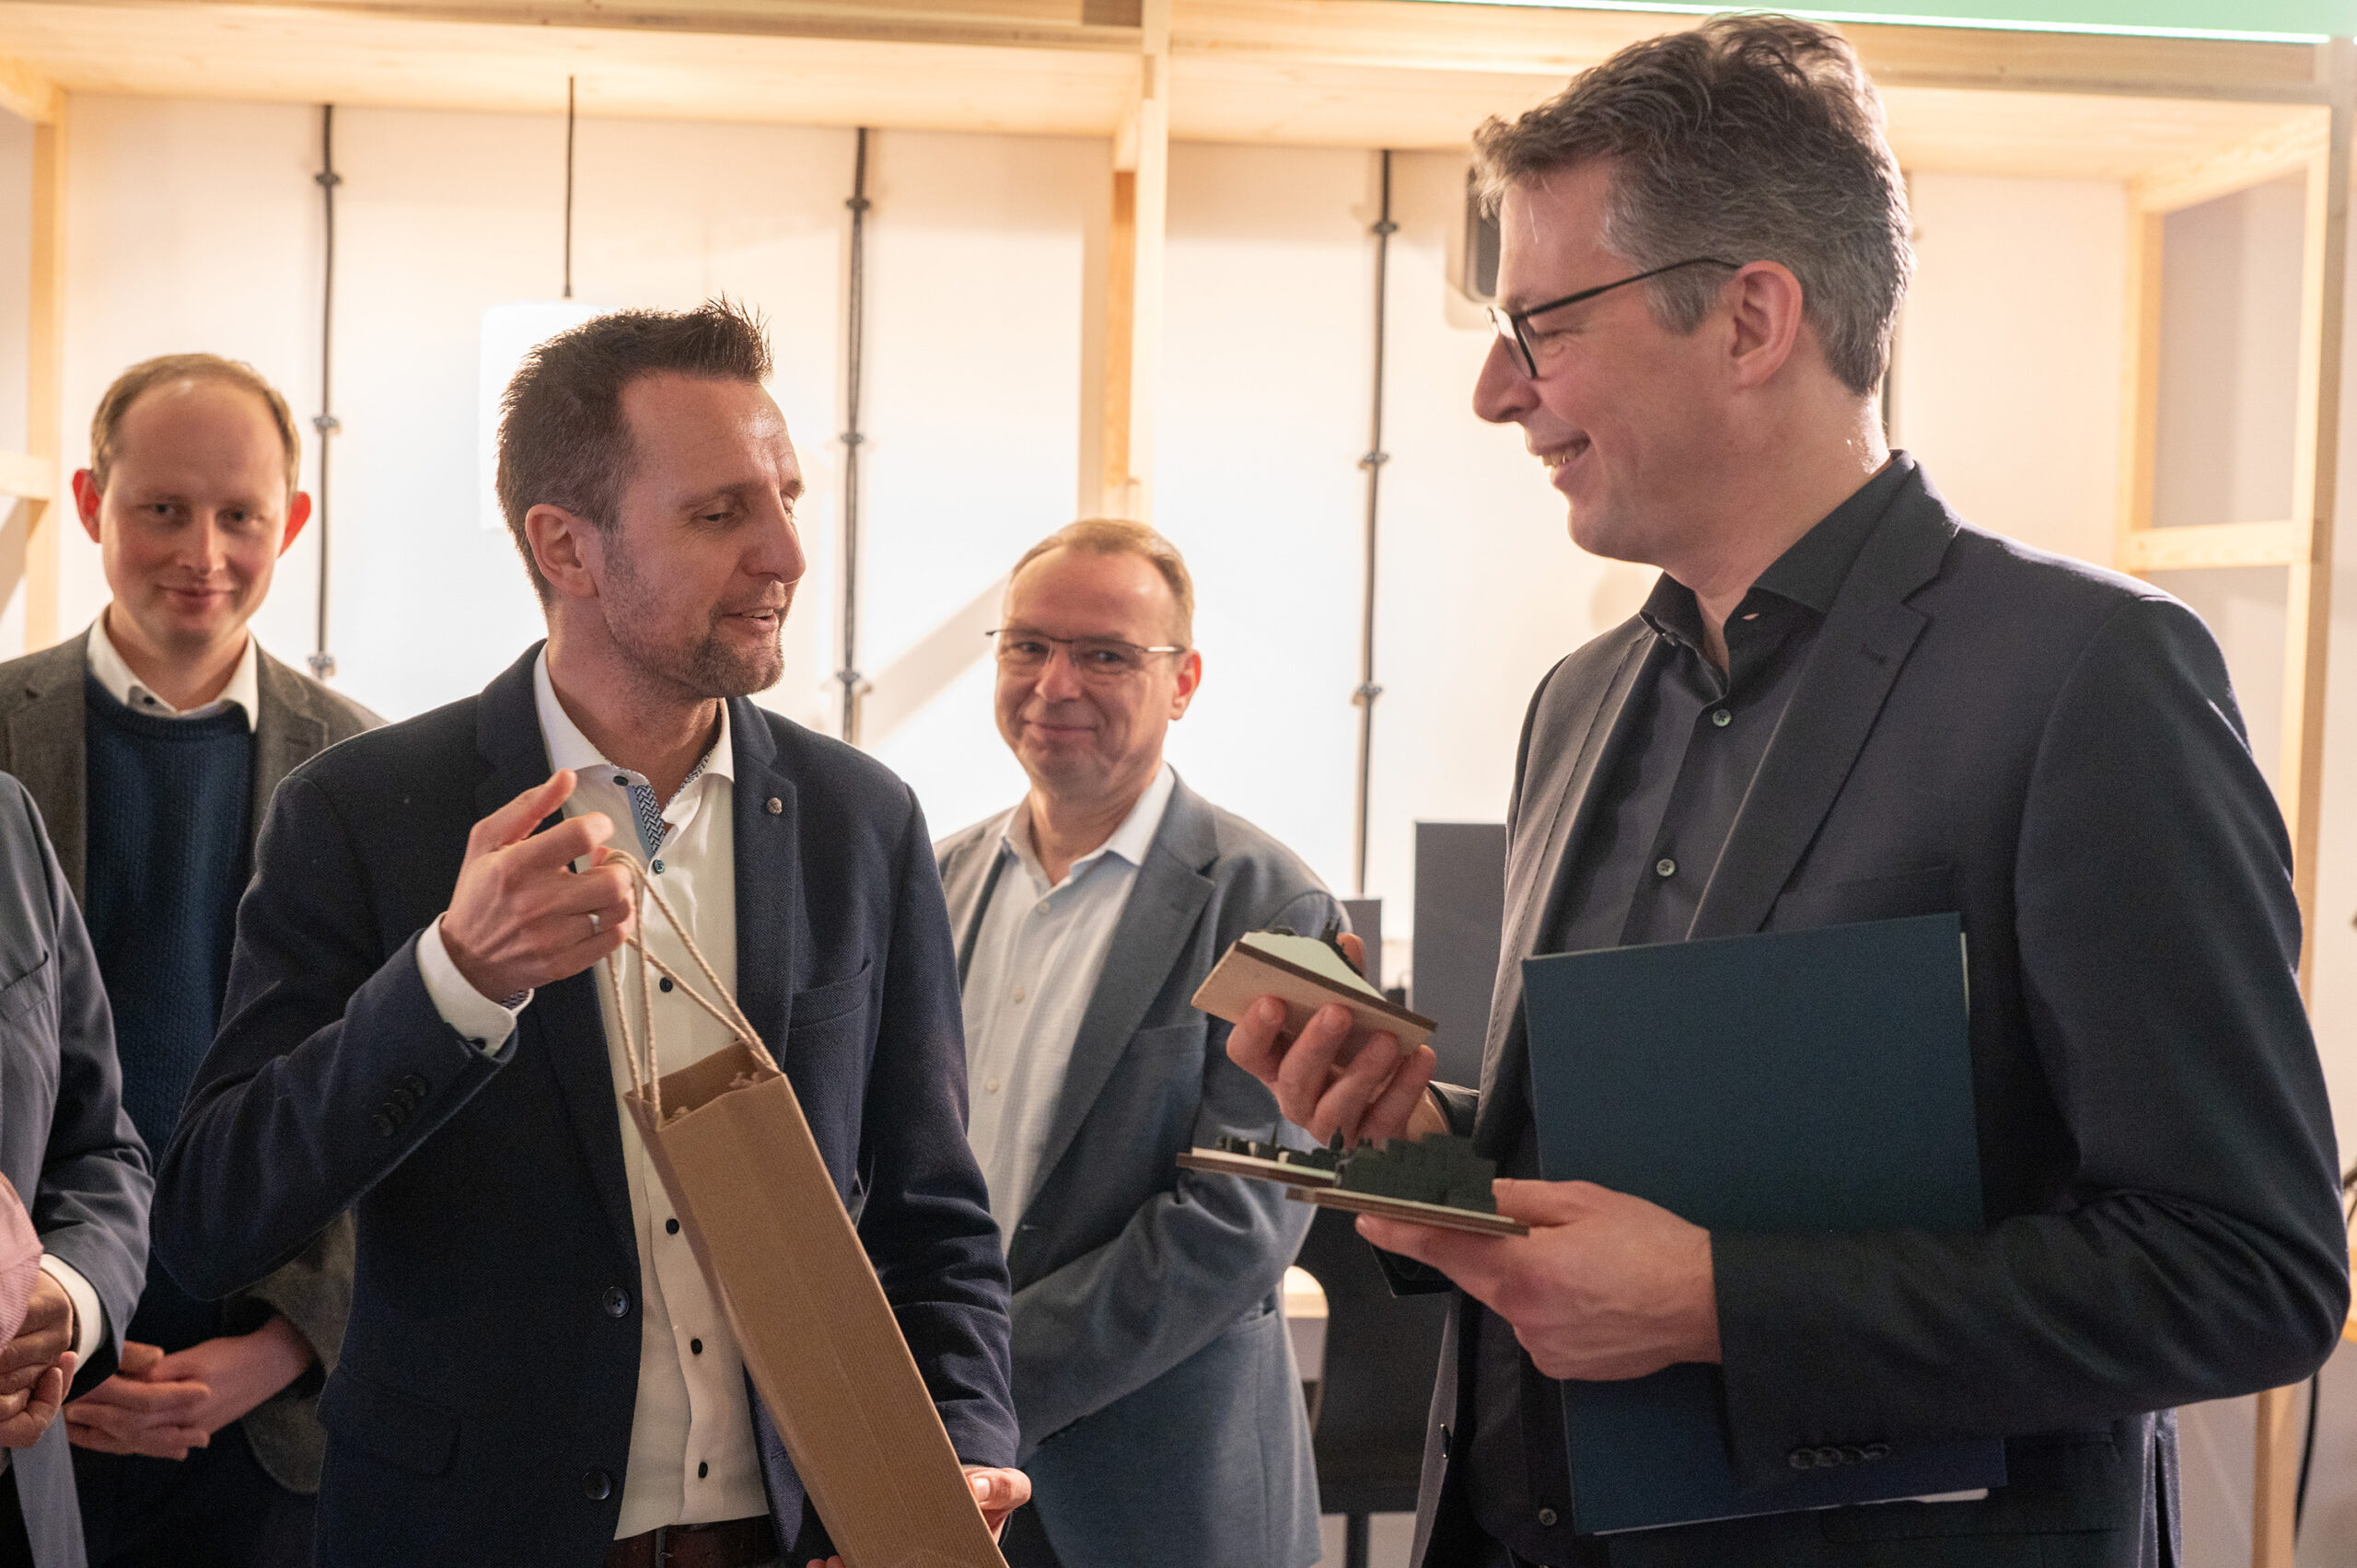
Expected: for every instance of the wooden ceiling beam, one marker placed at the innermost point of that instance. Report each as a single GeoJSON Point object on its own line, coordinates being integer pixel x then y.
{"type": "Point", "coordinates": [28, 94]}
{"type": "Point", "coordinates": [1541, 40]}
{"type": "Point", "coordinates": [1097, 25]}
{"type": "Point", "coordinates": [2272, 153]}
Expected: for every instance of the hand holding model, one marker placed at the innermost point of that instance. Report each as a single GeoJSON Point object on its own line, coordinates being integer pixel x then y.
{"type": "Point", "coordinates": [1605, 1286]}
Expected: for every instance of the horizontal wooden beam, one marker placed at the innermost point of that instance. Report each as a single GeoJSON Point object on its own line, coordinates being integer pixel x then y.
{"type": "Point", "coordinates": [28, 94]}
{"type": "Point", "coordinates": [28, 477]}
{"type": "Point", "coordinates": [1547, 41]}
{"type": "Point", "coordinates": [1002, 24]}
{"type": "Point", "coordinates": [2287, 149]}
{"type": "Point", "coordinates": [2214, 544]}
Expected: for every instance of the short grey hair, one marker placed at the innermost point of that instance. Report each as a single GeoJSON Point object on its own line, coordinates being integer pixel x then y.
{"type": "Point", "coordinates": [1748, 138]}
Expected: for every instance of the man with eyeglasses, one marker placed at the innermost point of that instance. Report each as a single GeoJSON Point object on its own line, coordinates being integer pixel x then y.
{"type": "Point", "coordinates": [1843, 704]}
{"type": "Point", "coordinates": [1160, 1409]}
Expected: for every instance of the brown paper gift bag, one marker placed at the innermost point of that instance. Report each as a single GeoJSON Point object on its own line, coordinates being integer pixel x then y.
{"type": "Point", "coordinates": [816, 1335]}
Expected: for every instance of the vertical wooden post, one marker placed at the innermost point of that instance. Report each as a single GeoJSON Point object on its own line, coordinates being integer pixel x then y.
{"type": "Point", "coordinates": [2314, 478]}
{"type": "Point", "coordinates": [45, 376]}
{"type": "Point", "coordinates": [2140, 404]}
{"type": "Point", "coordinates": [2299, 785]}
{"type": "Point", "coordinates": [1133, 281]}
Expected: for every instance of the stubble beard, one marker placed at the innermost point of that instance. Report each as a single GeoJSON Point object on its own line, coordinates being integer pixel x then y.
{"type": "Point", "coordinates": [706, 667]}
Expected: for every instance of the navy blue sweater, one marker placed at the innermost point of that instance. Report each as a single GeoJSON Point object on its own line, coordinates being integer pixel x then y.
{"type": "Point", "coordinates": [170, 803]}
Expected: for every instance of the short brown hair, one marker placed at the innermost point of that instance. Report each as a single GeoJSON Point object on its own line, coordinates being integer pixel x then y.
{"type": "Point", "coordinates": [106, 426]}
{"type": "Point", "coordinates": [562, 439]}
{"type": "Point", "coordinates": [1748, 138]}
{"type": "Point", "coordinates": [1119, 536]}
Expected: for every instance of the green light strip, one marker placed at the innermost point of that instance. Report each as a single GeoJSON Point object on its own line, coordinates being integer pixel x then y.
{"type": "Point", "coordinates": [1985, 24]}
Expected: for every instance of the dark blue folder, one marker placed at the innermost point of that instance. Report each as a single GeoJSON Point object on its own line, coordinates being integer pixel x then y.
{"type": "Point", "coordinates": [1813, 1081]}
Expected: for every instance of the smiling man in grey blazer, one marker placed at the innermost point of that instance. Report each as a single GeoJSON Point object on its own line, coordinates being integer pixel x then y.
{"type": "Point", "coordinates": [1161, 1411]}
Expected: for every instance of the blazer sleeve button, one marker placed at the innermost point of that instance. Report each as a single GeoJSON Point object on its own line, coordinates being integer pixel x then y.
{"type": "Point", "coordinates": [1802, 1459]}
{"type": "Point", "coordinates": [1876, 1451]}
{"type": "Point", "coordinates": [1829, 1457]}
{"type": "Point", "coordinates": [1852, 1453]}
{"type": "Point", "coordinates": [385, 1122]}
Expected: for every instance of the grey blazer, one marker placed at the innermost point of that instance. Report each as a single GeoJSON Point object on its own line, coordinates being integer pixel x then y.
{"type": "Point", "coordinates": [42, 741]}
{"type": "Point", "coordinates": [1161, 1411]}
{"type": "Point", "coordinates": [65, 1142]}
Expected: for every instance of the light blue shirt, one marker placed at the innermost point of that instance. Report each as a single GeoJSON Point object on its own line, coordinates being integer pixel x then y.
{"type": "Point", "coordinates": [1037, 958]}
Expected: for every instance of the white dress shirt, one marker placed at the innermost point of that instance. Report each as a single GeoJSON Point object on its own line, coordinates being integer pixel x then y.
{"type": "Point", "coordinates": [1037, 958]}
{"type": "Point", "coordinates": [692, 1457]}
{"type": "Point", "coordinates": [105, 661]}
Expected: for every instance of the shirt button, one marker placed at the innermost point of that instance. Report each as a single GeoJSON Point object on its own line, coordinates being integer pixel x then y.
{"type": "Point", "coordinates": [1020, 994]}
{"type": "Point", "coordinates": [1721, 717]}
{"type": "Point", "coordinates": [990, 1087]}
{"type": "Point", "coordinates": [1547, 1518]}
{"type": "Point", "coordinates": [1665, 866]}
{"type": "Point", "coordinates": [1040, 907]}
{"type": "Point", "coordinates": [695, 1347]}
{"type": "Point", "coordinates": [702, 1469]}
{"type": "Point", "coordinates": [671, 1227]}
{"type": "Point", "coordinates": [664, 983]}
{"type": "Point", "coordinates": [659, 869]}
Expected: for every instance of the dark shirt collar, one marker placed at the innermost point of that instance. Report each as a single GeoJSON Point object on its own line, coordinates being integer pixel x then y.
{"type": "Point", "coordinates": [1809, 573]}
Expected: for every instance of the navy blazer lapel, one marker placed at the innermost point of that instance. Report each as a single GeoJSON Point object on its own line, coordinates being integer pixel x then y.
{"type": "Point", "coordinates": [768, 876]}
{"type": "Point", "coordinates": [563, 1028]}
{"type": "Point", "coordinates": [1149, 941]}
{"type": "Point", "coordinates": [1864, 642]}
{"type": "Point", "coordinates": [1536, 882]}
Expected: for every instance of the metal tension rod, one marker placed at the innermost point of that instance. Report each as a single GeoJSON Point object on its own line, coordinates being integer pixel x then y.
{"type": "Point", "coordinates": [325, 422]}
{"type": "Point", "coordinates": [855, 313]}
{"type": "Point", "coordinates": [1372, 463]}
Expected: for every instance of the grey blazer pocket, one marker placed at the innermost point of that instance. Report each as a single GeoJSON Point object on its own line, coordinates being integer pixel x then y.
{"type": "Point", "coordinates": [1171, 1039]}
{"type": "Point", "coordinates": [824, 1004]}
{"type": "Point", "coordinates": [22, 995]}
{"type": "Point", "coordinates": [1926, 890]}
{"type": "Point", "coordinates": [392, 1427]}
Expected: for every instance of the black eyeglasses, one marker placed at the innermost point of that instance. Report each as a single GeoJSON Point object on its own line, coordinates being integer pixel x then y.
{"type": "Point", "coordinates": [1512, 324]}
{"type": "Point", "coordinates": [1095, 658]}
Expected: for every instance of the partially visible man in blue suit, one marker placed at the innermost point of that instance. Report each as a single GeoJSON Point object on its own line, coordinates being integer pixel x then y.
{"type": "Point", "coordinates": [536, 1372]}
{"type": "Point", "coordinates": [1161, 1410]}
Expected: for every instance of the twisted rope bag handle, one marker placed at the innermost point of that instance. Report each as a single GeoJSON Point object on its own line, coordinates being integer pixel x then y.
{"type": "Point", "coordinates": [638, 1044]}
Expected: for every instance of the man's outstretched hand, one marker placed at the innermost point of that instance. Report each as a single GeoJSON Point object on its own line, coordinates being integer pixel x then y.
{"type": "Point", "coordinates": [1605, 1286]}
{"type": "Point", "coordinates": [520, 917]}
{"type": "Point", "coordinates": [1324, 1085]}
{"type": "Point", "coordinates": [997, 1492]}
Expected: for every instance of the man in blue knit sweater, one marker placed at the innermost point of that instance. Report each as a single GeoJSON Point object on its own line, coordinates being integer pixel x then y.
{"type": "Point", "coordinates": [152, 743]}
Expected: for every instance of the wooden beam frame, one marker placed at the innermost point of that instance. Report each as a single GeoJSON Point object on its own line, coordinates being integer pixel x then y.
{"type": "Point", "coordinates": [27, 94]}
{"type": "Point", "coordinates": [45, 375]}
{"type": "Point", "coordinates": [2318, 148]}
{"type": "Point", "coordinates": [27, 477]}
{"type": "Point", "coordinates": [1134, 280]}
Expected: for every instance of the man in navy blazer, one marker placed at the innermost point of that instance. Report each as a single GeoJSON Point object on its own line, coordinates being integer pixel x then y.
{"type": "Point", "coordinates": [1842, 703]}
{"type": "Point", "coordinates": [535, 1371]}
